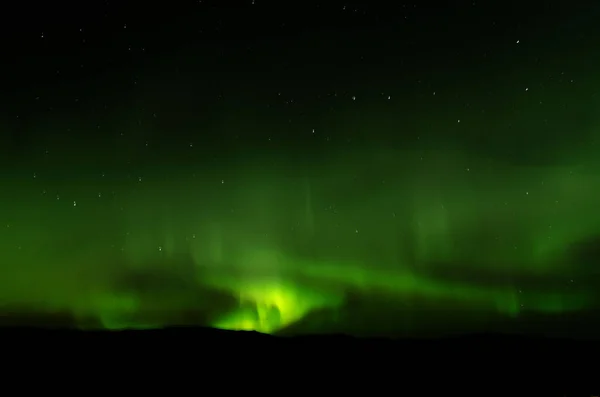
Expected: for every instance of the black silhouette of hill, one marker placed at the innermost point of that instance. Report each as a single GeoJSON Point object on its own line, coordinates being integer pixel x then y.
{"type": "Point", "coordinates": [477, 361]}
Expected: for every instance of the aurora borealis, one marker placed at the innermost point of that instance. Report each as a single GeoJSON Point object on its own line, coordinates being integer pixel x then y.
{"type": "Point", "coordinates": [418, 194]}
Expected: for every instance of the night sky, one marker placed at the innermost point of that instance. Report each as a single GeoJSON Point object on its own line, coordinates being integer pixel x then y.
{"type": "Point", "coordinates": [301, 167]}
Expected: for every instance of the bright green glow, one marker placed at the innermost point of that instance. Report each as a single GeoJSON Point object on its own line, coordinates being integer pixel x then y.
{"type": "Point", "coordinates": [268, 307]}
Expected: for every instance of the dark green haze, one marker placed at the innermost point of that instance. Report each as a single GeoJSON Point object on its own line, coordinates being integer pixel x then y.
{"type": "Point", "coordinates": [336, 187]}
{"type": "Point", "coordinates": [445, 227]}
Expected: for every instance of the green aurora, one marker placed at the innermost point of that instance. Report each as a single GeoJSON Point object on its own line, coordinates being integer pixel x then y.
{"type": "Point", "coordinates": [265, 246]}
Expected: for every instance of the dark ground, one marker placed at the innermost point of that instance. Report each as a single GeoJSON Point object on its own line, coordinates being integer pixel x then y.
{"type": "Point", "coordinates": [484, 364]}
